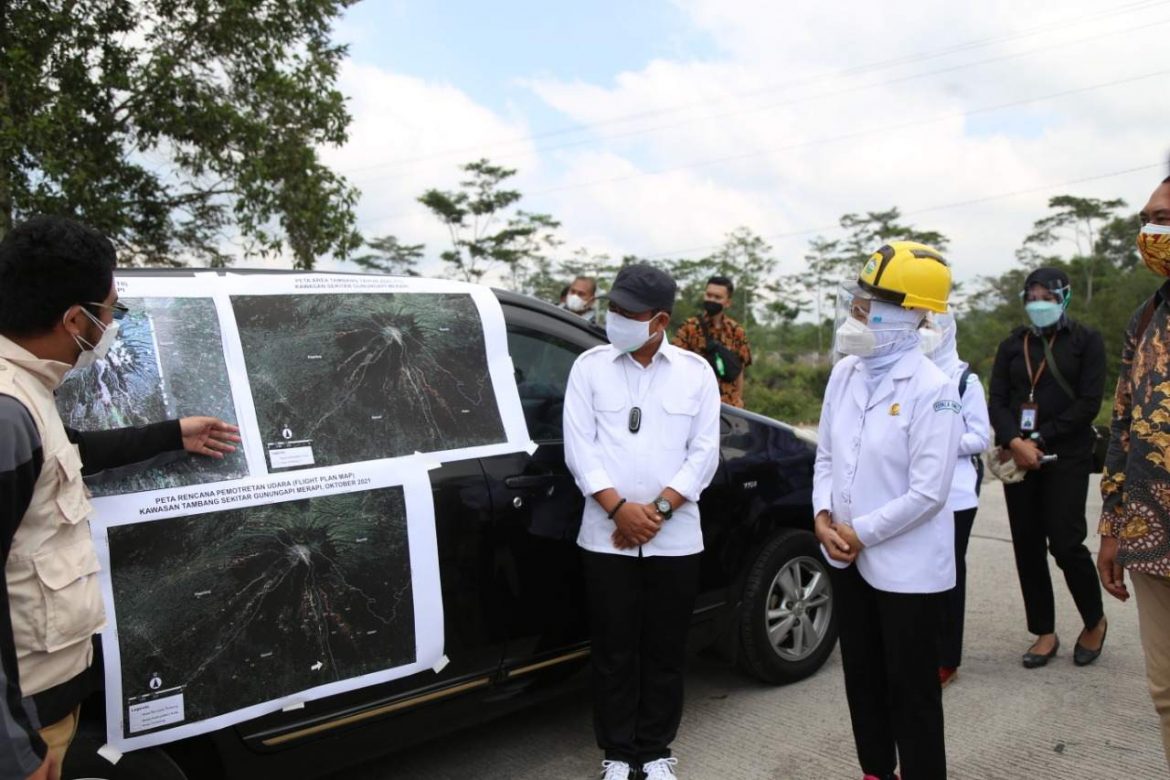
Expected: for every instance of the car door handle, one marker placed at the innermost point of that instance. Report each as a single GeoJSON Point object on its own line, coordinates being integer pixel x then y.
{"type": "Point", "coordinates": [529, 482]}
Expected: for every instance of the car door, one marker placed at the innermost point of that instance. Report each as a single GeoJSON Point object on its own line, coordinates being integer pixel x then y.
{"type": "Point", "coordinates": [537, 506]}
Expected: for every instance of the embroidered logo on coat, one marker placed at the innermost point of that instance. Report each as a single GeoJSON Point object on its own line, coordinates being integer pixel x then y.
{"type": "Point", "coordinates": [949, 406]}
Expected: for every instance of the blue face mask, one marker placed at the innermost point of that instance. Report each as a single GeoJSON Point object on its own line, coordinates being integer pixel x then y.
{"type": "Point", "coordinates": [1043, 314]}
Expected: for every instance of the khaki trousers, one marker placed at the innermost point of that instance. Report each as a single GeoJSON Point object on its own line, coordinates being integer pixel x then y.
{"type": "Point", "coordinates": [1153, 603]}
{"type": "Point", "coordinates": [58, 736]}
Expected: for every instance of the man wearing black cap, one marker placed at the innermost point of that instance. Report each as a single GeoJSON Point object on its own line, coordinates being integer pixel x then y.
{"type": "Point", "coordinates": [1046, 388]}
{"type": "Point", "coordinates": [642, 441]}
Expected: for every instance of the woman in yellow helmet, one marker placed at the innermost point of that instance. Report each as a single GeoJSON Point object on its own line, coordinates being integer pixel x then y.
{"type": "Point", "coordinates": [890, 428]}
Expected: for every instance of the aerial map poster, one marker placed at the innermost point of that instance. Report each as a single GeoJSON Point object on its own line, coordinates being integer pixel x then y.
{"type": "Point", "coordinates": [304, 564]}
{"type": "Point", "coordinates": [344, 369]}
{"type": "Point", "coordinates": [167, 362]}
{"type": "Point", "coordinates": [240, 599]}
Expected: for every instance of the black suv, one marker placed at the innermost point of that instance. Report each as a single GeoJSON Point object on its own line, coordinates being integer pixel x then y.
{"type": "Point", "coordinates": [513, 592]}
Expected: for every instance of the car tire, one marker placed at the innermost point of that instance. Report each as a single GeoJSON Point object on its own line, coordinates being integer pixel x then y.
{"type": "Point", "coordinates": [82, 762]}
{"type": "Point", "coordinates": [787, 620]}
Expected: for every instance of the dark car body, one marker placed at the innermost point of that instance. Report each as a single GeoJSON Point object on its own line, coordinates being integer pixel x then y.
{"type": "Point", "coordinates": [511, 583]}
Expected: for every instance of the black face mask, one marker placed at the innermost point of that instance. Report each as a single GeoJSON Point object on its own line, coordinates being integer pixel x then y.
{"type": "Point", "coordinates": [712, 308]}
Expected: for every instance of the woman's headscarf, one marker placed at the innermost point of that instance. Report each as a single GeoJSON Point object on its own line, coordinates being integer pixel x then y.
{"type": "Point", "coordinates": [946, 354]}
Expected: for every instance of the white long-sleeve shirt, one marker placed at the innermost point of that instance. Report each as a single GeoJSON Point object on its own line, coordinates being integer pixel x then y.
{"type": "Point", "coordinates": [975, 440]}
{"type": "Point", "coordinates": [885, 463]}
{"type": "Point", "coordinates": [676, 445]}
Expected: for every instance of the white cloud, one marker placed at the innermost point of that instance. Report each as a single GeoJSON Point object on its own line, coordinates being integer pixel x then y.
{"type": "Point", "coordinates": [409, 135]}
{"type": "Point", "coordinates": [792, 126]}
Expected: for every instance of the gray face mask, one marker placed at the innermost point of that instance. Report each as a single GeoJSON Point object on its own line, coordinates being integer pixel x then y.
{"type": "Point", "coordinates": [91, 353]}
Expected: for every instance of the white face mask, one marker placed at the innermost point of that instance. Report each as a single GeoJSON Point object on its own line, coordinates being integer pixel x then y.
{"type": "Point", "coordinates": [627, 334]}
{"type": "Point", "coordinates": [929, 340]}
{"type": "Point", "coordinates": [91, 353]}
{"type": "Point", "coordinates": [855, 338]}
{"type": "Point", "coordinates": [575, 303]}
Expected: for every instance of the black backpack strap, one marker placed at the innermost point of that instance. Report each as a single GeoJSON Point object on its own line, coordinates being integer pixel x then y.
{"type": "Point", "coordinates": [966, 377]}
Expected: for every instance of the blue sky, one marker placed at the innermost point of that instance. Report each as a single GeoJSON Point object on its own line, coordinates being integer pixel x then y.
{"type": "Point", "coordinates": [489, 48]}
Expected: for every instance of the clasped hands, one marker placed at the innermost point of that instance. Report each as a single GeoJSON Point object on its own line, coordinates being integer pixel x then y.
{"type": "Point", "coordinates": [636, 525]}
{"type": "Point", "coordinates": [838, 539]}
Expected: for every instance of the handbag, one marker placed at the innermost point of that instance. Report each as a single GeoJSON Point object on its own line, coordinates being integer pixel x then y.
{"type": "Point", "coordinates": [726, 363]}
{"type": "Point", "coordinates": [1003, 466]}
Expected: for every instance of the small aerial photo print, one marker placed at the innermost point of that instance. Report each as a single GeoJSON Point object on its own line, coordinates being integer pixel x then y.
{"type": "Point", "coordinates": [230, 609]}
{"type": "Point", "coordinates": [343, 378]}
{"type": "Point", "coordinates": [166, 363]}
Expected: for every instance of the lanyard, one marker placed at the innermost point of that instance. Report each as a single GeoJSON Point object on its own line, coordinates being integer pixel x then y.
{"type": "Point", "coordinates": [1034, 378]}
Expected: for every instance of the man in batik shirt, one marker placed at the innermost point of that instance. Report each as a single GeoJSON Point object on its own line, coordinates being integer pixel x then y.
{"type": "Point", "coordinates": [1135, 521]}
{"type": "Point", "coordinates": [707, 332]}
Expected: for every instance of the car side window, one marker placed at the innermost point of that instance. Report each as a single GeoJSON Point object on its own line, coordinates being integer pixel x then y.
{"type": "Point", "coordinates": [541, 363]}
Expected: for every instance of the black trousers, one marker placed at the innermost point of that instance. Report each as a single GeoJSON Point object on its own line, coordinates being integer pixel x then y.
{"type": "Point", "coordinates": [639, 614]}
{"type": "Point", "coordinates": [1047, 513]}
{"type": "Point", "coordinates": [950, 635]}
{"type": "Point", "coordinates": [889, 652]}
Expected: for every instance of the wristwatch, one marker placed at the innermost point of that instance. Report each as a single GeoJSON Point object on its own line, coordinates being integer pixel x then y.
{"type": "Point", "coordinates": [663, 507]}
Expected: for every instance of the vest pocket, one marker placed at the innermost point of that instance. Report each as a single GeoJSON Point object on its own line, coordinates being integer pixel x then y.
{"type": "Point", "coordinates": [70, 608]}
{"type": "Point", "coordinates": [71, 499]}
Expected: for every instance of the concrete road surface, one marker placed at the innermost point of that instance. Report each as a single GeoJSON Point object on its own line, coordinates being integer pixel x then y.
{"type": "Point", "coordinates": [1003, 721]}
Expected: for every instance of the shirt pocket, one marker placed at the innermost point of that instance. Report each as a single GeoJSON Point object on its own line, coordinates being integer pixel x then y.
{"type": "Point", "coordinates": [679, 412]}
{"type": "Point", "coordinates": [610, 408]}
{"type": "Point", "coordinates": [61, 603]}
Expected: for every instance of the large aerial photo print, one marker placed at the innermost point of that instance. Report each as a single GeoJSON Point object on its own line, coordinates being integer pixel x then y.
{"type": "Point", "coordinates": [222, 611]}
{"type": "Point", "coordinates": [341, 378]}
{"type": "Point", "coordinates": [166, 363]}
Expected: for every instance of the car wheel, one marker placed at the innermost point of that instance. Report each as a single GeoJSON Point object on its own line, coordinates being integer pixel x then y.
{"type": "Point", "coordinates": [787, 622]}
{"type": "Point", "coordinates": [83, 763]}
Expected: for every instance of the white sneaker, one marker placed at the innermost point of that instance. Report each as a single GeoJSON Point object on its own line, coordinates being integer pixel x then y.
{"type": "Point", "coordinates": [662, 769]}
{"type": "Point", "coordinates": [616, 770]}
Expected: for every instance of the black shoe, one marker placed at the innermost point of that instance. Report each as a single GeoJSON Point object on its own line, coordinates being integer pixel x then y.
{"type": "Point", "coordinates": [1036, 660]}
{"type": "Point", "coordinates": [1083, 656]}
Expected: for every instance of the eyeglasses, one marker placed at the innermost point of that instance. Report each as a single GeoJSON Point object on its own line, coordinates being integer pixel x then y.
{"type": "Point", "coordinates": [118, 309]}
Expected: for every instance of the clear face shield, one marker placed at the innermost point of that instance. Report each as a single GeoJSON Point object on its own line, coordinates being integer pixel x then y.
{"type": "Point", "coordinates": [851, 302]}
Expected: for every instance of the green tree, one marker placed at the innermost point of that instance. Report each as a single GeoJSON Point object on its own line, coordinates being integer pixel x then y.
{"type": "Point", "coordinates": [390, 256]}
{"type": "Point", "coordinates": [485, 232]}
{"type": "Point", "coordinates": [814, 287]}
{"type": "Point", "coordinates": [1077, 221]}
{"type": "Point", "coordinates": [743, 257]}
{"type": "Point", "coordinates": [1116, 243]}
{"type": "Point", "coordinates": [864, 233]}
{"type": "Point", "coordinates": [173, 127]}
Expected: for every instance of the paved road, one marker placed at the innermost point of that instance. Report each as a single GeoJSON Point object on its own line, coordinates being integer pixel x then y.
{"type": "Point", "coordinates": [1003, 721]}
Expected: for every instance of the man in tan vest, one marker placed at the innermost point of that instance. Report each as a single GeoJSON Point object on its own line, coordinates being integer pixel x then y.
{"type": "Point", "coordinates": [58, 311]}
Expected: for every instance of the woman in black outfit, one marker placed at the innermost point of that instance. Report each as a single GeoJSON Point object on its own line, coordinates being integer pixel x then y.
{"type": "Point", "coordinates": [1037, 410]}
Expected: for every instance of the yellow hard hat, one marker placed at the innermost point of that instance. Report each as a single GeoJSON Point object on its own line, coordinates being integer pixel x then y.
{"type": "Point", "coordinates": [907, 274]}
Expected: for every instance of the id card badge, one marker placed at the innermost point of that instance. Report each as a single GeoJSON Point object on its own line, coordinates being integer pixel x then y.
{"type": "Point", "coordinates": [1028, 417]}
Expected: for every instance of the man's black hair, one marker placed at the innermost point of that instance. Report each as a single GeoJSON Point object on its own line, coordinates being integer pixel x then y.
{"type": "Point", "coordinates": [47, 264]}
{"type": "Point", "coordinates": [564, 292]}
{"type": "Point", "coordinates": [723, 281]}
{"type": "Point", "coordinates": [1166, 180]}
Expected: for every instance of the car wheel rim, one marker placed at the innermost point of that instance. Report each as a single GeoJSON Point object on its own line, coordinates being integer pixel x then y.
{"type": "Point", "coordinates": [798, 608]}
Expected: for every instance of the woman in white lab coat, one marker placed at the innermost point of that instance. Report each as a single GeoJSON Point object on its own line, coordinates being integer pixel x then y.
{"type": "Point", "coordinates": [940, 344]}
{"type": "Point", "coordinates": [890, 428]}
